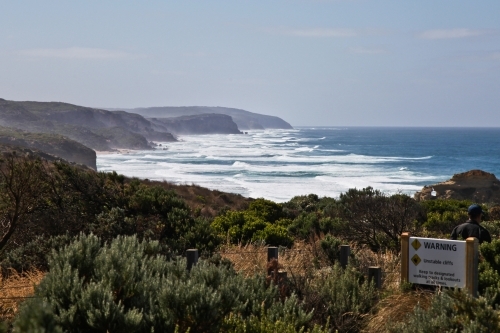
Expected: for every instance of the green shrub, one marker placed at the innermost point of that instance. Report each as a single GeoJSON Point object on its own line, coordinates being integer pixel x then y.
{"type": "Point", "coordinates": [251, 225]}
{"type": "Point", "coordinates": [372, 218]}
{"type": "Point", "coordinates": [493, 228]}
{"type": "Point", "coordinates": [38, 317]}
{"type": "Point", "coordinates": [127, 286]}
{"type": "Point", "coordinates": [342, 295]}
{"type": "Point", "coordinates": [267, 210]}
{"type": "Point", "coordinates": [331, 247]}
{"type": "Point", "coordinates": [489, 270]}
{"type": "Point", "coordinates": [267, 323]}
{"type": "Point", "coordinates": [452, 311]}
{"type": "Point", "coordinates": [302, 203]}
{"type": "Point", "coordinates": [305, 225]}
{"type": "Point", "coordinates": [32, 254]}
{"type": "Point", "coordinates": [443, 215]}
{"type": "Point", "coordinates": [275, 235]}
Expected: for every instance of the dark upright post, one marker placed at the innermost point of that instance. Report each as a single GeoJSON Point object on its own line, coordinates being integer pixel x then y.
{"type": "Point", "coordinates": [345, 250]}
{"type": "Point", "coordinates": [375, 274]}
{"type": "Point", "coordinates": [272, 252]}
{"type": "Point", "coordinates": [192, 258]}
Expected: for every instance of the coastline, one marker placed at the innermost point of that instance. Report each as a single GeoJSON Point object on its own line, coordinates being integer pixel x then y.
{"type": "Point", "coordinates": [115, 151]}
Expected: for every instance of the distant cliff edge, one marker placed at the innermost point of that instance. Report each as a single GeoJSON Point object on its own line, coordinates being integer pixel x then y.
{"type": "Point", "coordinates": [244, 119]}
{"type": "Point", "coordinates": [95, 128]}
{"type": "Point", "coordinates": [210, 123]}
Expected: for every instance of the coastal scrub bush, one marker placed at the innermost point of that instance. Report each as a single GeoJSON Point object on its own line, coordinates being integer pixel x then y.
{"type": "Point", "coordinates": [301, 203]}
{"type": "Point", "coordinates": [375, 219]}
{"type": "Point", "coordinates": [493, 228]}
{"type": "Point", "coordinates": [331, 247]}
{"type": "Point", "coordinates": [127, 286]}
{"type": "Point", "coordinates": [22, 185]}
{"type": "Point", "coordinates": [262, 221]}
{"type": "Point", "coordinates": [342, 295]}
{"type": "Point", "coordinates": [267, 210]}
{"type": "Point", "coordinates": [305, 225]}
{"type": "Point", "coordinates": [441, 216]}
{"type": "Point", "coordinates": [452, 311]}
{"type": "Point", "coordinates": [266, 323]}
{"type": "Point", "coordinates": [32, 255]}
{"type": "Point", "coordinates": [489, 270]}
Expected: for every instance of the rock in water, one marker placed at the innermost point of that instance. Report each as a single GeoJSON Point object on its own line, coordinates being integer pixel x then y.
{"type": "Point", "coordinates": [476, 185]}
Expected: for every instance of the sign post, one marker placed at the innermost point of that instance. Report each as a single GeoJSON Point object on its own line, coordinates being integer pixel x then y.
{"type": "Point", "coordinates": [440, 262]}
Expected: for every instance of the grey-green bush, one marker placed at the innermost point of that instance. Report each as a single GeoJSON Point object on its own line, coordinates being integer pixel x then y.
{"type": "Point", "coordinates": [452, 311]}
{"type": "Point", "coordinates": [127, 286]}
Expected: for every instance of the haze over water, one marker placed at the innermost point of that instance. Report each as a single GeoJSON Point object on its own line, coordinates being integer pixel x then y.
{"type": "Point", "coordinates": [327, 161]}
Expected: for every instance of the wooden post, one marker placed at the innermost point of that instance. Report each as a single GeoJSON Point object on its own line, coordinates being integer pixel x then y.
{"type": "Point", "coordinates": [192, 258]}
{"type": "Point", "coordinates": [375, 274]}
{"type": "Point", "coordinates": [471, 265]}
{"type": "Point", "coordinates": [345, 250]}
{"type": "Point", "coordinates": [272, 253]}
{"type": "Point", "coordinates": [405, 250]}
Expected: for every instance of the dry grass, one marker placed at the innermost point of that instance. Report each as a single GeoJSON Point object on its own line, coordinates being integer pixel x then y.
{"type": "Point", "coordinates": [389, 262]}
{"type": "Point", "coordinates": [14, 289]}
{"type": "Point", "coordinates": [395, 308]}
{"type": "Point", "coordinates": [249, 259]}
{"type": "Point", "coordinates": [306, 258]}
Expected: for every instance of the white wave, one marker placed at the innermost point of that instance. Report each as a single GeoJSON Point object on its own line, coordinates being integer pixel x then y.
{"type": "Point", "coordinates": [274, 164]}
{"type": "Point", "coordinates": [240, 164]}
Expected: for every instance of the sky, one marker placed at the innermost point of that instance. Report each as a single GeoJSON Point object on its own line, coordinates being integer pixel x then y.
{"type": "Point", "coordinates": [312, 63]}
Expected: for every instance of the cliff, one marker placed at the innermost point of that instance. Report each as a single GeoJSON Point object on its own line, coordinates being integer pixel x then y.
{"type": "Point", "coordinates": [47, 146]}
{"type": "Point", "coordinates": [95, 128]}
{"type": "Point", "coordinates": [244, 119]}
{"type": "Point", "coordinates": [210, 123]}
{"type": "Point", "coordinates": [476, 185]}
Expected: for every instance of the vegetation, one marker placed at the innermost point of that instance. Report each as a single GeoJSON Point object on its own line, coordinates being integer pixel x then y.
{"type": "Point", "coordinates": [110, 250]}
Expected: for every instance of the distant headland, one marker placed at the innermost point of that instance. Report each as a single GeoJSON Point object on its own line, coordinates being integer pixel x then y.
{"type": "Point", "coordinates": [74, 132]}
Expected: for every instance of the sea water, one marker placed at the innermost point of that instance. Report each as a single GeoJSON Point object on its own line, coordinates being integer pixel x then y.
{"type": "Point", "coordinates": [327, 161]}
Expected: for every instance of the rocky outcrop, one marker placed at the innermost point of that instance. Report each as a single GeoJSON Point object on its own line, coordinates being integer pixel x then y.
{"type": "Point", "coordinates": [476, 185]}
{"type": "Point", "coordinates": [210, 123]}
{"type": "Point", "coordinates": [244, 119]}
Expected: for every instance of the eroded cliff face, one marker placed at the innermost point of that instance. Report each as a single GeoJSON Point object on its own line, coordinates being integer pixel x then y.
{"type": "Point", "coordinates": [210, 123]}
{"type": "Point", "coordinates": [476, 185]}
{"type": "Point", "coordinates": [95, 128]}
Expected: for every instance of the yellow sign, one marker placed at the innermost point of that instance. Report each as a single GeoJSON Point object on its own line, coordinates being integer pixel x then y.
{"type": "Point", "coordinates": [416, 259]}
{"type": "Point", "coordinates": [416, 244]}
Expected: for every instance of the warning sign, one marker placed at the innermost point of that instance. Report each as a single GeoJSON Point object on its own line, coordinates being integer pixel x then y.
{"type": "Point", "coordinates": [437, 262]}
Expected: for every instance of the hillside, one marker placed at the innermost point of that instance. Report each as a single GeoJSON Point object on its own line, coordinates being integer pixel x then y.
{"type": "Point", "coordinates": [244, 119]}
{"type": "Point", "coordinates": [95, 128]}
{"type": "Point", "coordinates": [53, 144]}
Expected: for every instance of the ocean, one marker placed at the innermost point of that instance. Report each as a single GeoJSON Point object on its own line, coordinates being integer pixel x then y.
{"type": "Point", "coordinates": [327, 161]}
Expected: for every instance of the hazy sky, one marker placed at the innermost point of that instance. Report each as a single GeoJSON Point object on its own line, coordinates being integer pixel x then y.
{"type": "Point", "coordinates": [350, 63]}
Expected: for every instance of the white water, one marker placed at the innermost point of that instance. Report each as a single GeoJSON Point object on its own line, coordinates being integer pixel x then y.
{"type": "Point", "coordinates": [274, 164]}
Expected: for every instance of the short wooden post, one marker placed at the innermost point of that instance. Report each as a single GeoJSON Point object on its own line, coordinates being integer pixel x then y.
{"type": "Point", "coordinates": [192, 258]}
{"type": "Point", "coordinates": [471, 264]}
{"type": "Point", "coordinates": [272, 253]}
{"type": "Point", "coordinates": [405, 251]}
{"type": "Point", "coordinates": [375, 274]}
{"type": "Point", "coordinates": [345, 251]}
